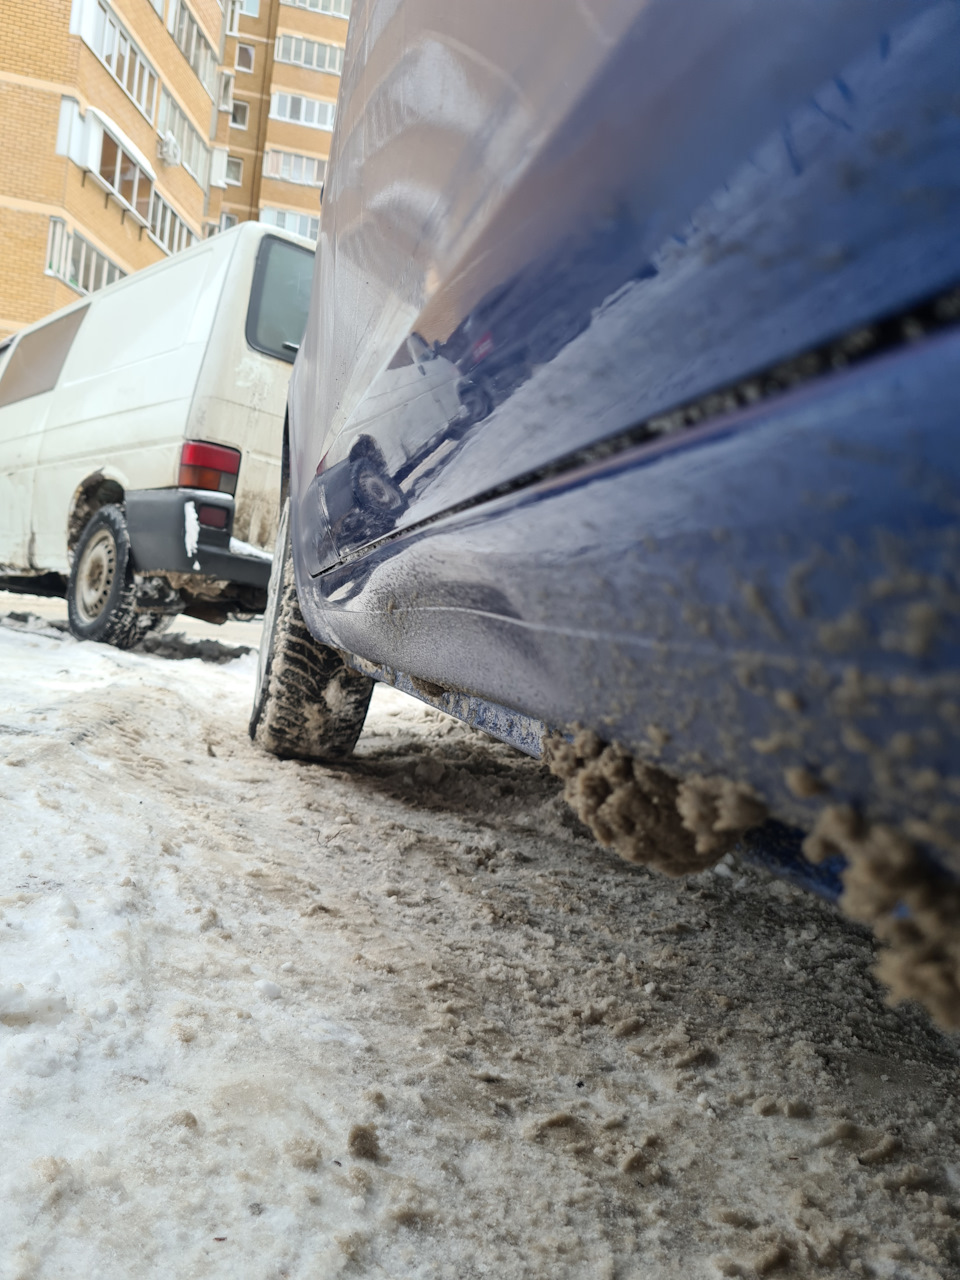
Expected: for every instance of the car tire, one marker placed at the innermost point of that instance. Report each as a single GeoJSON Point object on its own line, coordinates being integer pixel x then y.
{"type": "Point", "coordinates": [308, 704]}
{"type": "Point", "coordinates": [101, 589]}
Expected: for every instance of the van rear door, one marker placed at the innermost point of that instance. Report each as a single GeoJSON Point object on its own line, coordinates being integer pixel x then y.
{"type": "Point", "coordinates": [242, 389]}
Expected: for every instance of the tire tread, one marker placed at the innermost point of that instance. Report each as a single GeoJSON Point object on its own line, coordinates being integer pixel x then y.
{"type": "Point", "coordinates": [309, 704]}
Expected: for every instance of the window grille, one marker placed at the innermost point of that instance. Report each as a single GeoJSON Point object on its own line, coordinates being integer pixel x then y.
{"type": "Point", "coordinates": [115, 49]}
{"type": "Point", "coordinates": [287, 166]}
{"type": "Point", "coordinates": [301, 224]}
{"type": "Point", "coordinates": [309, 53]}
{"type": "Point", "coordinates": [299, 109]}
{"type": "Point", "coordinates": [340, 8]}
{"type": "Point", "coordinates": [196, 156]}
{"type": "Point", "coordinates": [75, 261]}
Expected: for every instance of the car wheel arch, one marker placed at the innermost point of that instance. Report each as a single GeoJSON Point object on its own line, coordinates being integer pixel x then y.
{"type": "Point", "coordinates": [102, 488]}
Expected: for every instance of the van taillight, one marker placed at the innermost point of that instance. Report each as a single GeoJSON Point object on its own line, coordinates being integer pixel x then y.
{"type": "Point", "coordinates": [208, 466]}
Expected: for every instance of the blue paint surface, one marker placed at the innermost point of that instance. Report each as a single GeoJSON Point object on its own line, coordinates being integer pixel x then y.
{"type": "Point", "coordinates": [740, 599]}
{"type": "Point", "coordinates": [770, 595]}
{"type": "Point", "coordinates": [844, 210]}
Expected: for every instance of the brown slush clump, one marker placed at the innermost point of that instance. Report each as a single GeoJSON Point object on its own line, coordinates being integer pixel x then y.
{"type": "Point", "coordinates": [643, 813]}
{"type": "Point", "coordinates": [886, 874]}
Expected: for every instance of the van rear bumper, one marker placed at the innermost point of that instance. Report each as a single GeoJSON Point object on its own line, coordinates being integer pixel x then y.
{"type": "Point", "coordinates": [167, 536]}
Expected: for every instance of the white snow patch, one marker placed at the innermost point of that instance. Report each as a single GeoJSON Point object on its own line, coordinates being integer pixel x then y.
{"type": "Point", "coordinates": [240, 548]}
{"type": "Point", "coordinates": [191, 529]}
{"type": "Point", "coordinates": [18, 1007]}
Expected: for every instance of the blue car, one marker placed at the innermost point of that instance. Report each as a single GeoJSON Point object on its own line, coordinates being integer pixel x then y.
{"type": "Point", "coordinates": [625, 427]}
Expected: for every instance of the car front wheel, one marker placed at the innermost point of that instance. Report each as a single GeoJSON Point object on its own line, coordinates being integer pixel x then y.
{"type": "Point", "coordinates": [308, 703]}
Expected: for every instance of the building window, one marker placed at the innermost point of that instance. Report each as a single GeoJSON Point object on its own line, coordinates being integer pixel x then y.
{"type": "Point", "coordinates": [133, 187]}
{"type": "Point", "coordinates": [310, 53]}
{"type": "Point", "coordinates": [309, 111]}
{"type": "Point", "coordinates": [195, 156]}
{"type": "Point", "coordinates": [76, 262]}
{"type": "Point", "coordinates": [286, 166]}
{"type": "Point", "coordinates": [227, 220]}
{"type": "Point", "coordinates": [98, 145]}
{"type": "Point", "coordinates": [246, 8]}
{"type": "Point", "coordinates": [234, 171]}
{"type": "Point", "coordinates": [168, 229]}
{"type": "Point", "coordinates": [194, 46]}
{"type": "Point", "coordinates": [226, 91]}
{"type": "Point", "coordinates": [244, 57]}
{"type": "Point", "coordinates": [339, 7]}
{"type": "Point", "coordinates": [301, 224]}
{"type": "Point", "coordinates": [124, 177]}
{"type": "Point", "coordinates": [240, 115]}
{"type": "Point", "coordinates": [113, 46]}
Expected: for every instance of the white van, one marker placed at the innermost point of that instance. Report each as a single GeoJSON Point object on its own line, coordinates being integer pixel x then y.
{"type": "Point", "coordinates": [141, 432]}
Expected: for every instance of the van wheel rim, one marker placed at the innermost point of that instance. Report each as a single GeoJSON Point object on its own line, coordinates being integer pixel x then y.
{"type": "Point", "coordinates": [95, 575]}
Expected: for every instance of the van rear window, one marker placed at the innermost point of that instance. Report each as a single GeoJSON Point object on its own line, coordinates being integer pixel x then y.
{"type": "Point", "coordinates": [35, 362]}
{"type": "Point", "coordinates": [279, 298]}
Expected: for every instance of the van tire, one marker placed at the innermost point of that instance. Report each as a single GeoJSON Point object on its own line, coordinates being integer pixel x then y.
{"type": "Point", "coordinates": [308, 704]}
{"type": "Point", "coordinates": [101, 589]}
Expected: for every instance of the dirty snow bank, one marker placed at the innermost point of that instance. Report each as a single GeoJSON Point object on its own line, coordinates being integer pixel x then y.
{"type": "Point", "coordinates": [402, 1018]}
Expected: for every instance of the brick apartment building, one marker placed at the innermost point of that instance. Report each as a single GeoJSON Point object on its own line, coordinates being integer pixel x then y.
{"type": "Point", "coordinates": [133, 128]}
{"type": "Point", "coordinates": [285, 64]}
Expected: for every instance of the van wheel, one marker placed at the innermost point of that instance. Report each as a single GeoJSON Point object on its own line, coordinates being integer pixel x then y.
{"type": "Point", "coordinates": [308, 703]}
{"type": "Point", "coordinates": [376, 492]}
{"type": "Point", "coordinates": [101, 592]}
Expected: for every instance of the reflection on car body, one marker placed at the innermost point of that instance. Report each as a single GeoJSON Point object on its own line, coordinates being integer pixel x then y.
{"type": "Point", "coordinates": [490, 355]}
{"type": "Point", "coordinates": [363, 488]}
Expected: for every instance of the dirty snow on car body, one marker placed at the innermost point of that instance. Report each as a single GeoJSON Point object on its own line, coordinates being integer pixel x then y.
{"type": "Point", "coordinates": [401, 1017]}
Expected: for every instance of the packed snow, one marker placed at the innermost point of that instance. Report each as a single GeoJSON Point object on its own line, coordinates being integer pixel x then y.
{"type": "Point", "coordinates": [402, 1017]}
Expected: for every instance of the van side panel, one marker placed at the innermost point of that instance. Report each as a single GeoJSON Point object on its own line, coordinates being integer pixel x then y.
{"type": "Point", "coordinates": [29, 370]}
{"type": "Point", "coordinates": [123, 399]}
{"type": "Point", "coordinates": [21, 429]}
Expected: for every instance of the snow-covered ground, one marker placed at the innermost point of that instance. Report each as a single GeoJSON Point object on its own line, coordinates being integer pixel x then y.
{"type": "Point", "coordinates": [402, 1018]}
